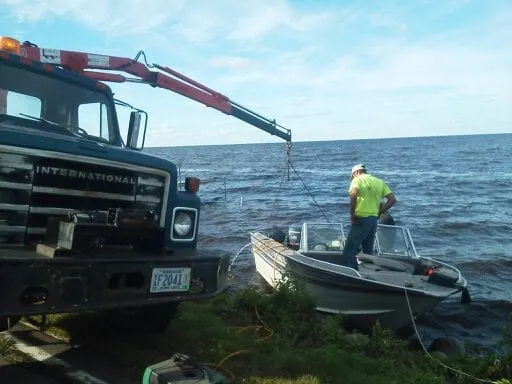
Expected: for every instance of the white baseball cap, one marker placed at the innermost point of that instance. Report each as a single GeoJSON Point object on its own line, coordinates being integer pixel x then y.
{"type": "Point", "coordinates": [358, 167]}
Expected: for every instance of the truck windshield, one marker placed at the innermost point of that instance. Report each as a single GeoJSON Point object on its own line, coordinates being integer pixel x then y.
{"type": "Point", "coordinates": [57, 105]}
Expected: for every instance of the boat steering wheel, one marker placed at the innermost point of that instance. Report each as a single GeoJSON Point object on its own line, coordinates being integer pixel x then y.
{"type": "Point", "coordinates": [78, 130]}
{"type": "Point", "coordinates": [319, 247]}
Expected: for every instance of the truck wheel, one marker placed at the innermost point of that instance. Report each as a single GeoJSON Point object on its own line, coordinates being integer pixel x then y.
{"type": "Point", "coordinates": [145, 319]}
{"type": "Point", "coordinates": [7, 323]}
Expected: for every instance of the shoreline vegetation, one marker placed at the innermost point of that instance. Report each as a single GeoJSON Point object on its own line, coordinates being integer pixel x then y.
{"type": "Point", "coordinates": [277, 337]}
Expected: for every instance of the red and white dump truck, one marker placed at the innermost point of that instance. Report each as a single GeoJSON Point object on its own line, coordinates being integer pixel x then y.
{"type": "Point", "coordinates": [88, 221]}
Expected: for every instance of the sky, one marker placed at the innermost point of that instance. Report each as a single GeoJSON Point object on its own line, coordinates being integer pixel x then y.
{"type": "Point", "coordinates": [327, 70]}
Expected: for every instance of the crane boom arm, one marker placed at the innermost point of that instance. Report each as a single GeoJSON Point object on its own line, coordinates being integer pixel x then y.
{"type": "Point", "coordinates": [161, 76]}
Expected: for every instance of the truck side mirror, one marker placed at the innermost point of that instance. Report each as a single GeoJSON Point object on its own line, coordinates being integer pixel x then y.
{"type": "Point", "coordinates": [133, 130]}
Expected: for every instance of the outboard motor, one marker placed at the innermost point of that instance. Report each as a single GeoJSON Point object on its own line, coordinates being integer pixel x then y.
{"type": "Point", "coordinates": [277, 235]}
{"type": "Point", "coordinates": [294, 237]}
{"type": "Point", "coordinates": [386, 219]}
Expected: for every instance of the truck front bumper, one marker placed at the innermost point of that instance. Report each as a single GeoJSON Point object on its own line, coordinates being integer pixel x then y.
{"type": "Point", "coordinates": [32, 284]}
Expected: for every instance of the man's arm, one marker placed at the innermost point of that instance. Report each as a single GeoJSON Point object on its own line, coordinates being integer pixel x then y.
{"type": "Point", "coordinates": [390, 201]}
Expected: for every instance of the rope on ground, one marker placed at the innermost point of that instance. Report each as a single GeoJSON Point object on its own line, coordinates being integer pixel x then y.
{"type": "Point", "coordinates": [219, 366]}
{"type": "Point", "coordinates": [256, 329]}
{"type": "Point", "coordinates": [265, 327]}
{"type": "Point", "coordinates": [432, 357]}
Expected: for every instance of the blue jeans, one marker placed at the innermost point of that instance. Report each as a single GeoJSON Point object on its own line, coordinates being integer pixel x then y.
{"type": "Point", "coordinates": [360, 234]}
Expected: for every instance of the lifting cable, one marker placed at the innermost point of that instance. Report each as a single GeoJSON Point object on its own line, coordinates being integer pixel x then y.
{"type": "Point", "coordinates": [310, 194]}
{"type": "Point", "coordinates": [288, 155]}
{"type": "Point", "coordinates": [286, 172]}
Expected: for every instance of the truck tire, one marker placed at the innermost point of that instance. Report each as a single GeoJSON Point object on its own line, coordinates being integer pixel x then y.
{"type": "Point", "coordinates": [145, 319]}
{"type": "Point", "coordinates": [7, 323]}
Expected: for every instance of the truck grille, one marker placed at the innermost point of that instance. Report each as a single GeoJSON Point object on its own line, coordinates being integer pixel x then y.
{"type": "Point", "coordinates": [36, 185]}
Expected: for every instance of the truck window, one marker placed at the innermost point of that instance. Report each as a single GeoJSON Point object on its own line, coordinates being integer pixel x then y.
{"type": "Point", "coordinates": [93, 118]}
{"type": "Point", "coordinates": [82, 110]}
{"type": "Point", "coordinates": [19, 103]}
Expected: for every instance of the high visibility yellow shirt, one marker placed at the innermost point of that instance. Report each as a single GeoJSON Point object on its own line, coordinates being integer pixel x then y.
{"type": "Point", "coordinates": [370, 192]}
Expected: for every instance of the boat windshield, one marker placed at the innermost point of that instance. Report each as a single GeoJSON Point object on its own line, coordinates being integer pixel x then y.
{"type": "Point", "coordinates": [394, 240]}
{"type": "Point", "coordinates": [390, 240]}
{"type": "Point", "coordinates": [322, 237]}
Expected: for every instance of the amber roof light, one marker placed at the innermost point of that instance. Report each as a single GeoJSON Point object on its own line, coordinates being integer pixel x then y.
{"type": "Point", "coordinates": [10, 45]}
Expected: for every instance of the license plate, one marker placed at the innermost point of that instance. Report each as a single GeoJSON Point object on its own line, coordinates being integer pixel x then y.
{"type": "Point", "coordinates": [170, 280]}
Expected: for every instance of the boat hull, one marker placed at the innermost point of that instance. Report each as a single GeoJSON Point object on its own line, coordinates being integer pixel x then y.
{"type": "Point", "coordinates": [338, 289]}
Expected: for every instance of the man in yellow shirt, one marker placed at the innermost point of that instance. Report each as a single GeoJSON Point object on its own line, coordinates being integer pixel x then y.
{"type": "Point", "coordinates": [366, 194]}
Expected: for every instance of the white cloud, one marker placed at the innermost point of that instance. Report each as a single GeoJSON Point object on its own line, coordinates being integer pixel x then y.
{"type": "Point", "coordinates": [426, 67]}
{"type": "Point", "coordinates": [271, 17]}
{"type": "Point", "coordinates": [198, 21]}
{"type": "Point", "coordinates": [131, 17]}
{"type": "Point", "coordinates": [354, 69]}
{"type": "Point", "coordinates": [406, 67]}
{"type": "Point", "coordinates": [230, 62]}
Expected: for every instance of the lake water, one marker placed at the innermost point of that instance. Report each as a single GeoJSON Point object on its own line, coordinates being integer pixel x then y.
{"type": "Point", "coordinates": [454, 194]}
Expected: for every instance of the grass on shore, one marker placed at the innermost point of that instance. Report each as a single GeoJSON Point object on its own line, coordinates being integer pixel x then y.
{"type": "Point", "coordinates": [276, 338]}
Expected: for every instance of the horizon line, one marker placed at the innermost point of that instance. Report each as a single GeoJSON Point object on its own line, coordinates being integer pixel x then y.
{"type": "Point", "coordinates": [353, 139]}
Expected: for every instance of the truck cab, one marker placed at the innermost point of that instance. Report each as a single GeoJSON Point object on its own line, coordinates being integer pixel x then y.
{"type": "Point", "coordinates": [88, 221]}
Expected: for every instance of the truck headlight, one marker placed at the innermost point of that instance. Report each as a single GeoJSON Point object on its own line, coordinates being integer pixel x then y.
{"type": "Point", "coordinates": [184, 223]}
